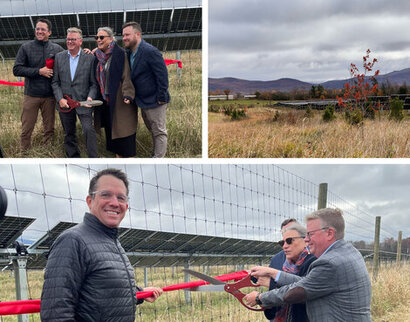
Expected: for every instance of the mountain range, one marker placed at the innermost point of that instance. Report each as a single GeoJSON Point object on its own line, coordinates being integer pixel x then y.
{"type": "Point", "coordinates": [236, 85]}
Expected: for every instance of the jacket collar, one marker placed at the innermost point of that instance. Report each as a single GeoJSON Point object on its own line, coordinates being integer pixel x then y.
{"type": "Point", "coordinates": [42, 43]}
{"type": "Point", "coordinates": [93, 222]}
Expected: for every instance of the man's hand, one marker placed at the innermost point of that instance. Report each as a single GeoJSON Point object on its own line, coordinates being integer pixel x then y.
{"type": "Point", "coordinates": [250, 298]}
{"type": "Point", "coordinates": [157, 292]}
{"type": "Point", "coordinates": [127, 101]}
{"type": "Point", "coordinates": [262, 271]}
{"type": "Point", "coordinates": [63, 103]}
{"type": "Point", "coordinates": [46, 72]}
{"type": "Point", "coordinates": [88, 99]}
{"type": "Point", "coordinates": [161, 103]}
{"type": "Point", "coordinates": [89, 51]}
{"type": "Point", "coordinates": [264, 281]}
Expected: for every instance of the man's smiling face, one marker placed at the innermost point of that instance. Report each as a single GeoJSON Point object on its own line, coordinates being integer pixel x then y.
{"type": "Point", "coordinates": [107, 203]}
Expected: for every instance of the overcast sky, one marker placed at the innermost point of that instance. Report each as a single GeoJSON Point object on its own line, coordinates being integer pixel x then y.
{"type": "Point", "coordinates": [256, 198]}
{"type": "Point", "coordinates": [312, 41]}
{"type": "Point", "coordinates": [380, 190]}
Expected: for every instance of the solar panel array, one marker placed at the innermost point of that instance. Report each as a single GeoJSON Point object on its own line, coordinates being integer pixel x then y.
{"type": "Point", "coordinates": [155, 248]}
{"type": "Point", "coordinates": [167, 29]}
{"type": "Point", "coordinates": [11, 228]}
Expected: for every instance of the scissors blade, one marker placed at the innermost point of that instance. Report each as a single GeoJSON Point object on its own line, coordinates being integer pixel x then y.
{"type": "Point", "coordinates": [208, 288]}
{"type": "Point", "coordinates": [91, 103]}
{"type": "Point", "coordinates": [204, 277]}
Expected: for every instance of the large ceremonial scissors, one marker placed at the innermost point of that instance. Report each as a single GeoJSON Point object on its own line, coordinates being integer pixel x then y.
{"type": "Point", "coordinates": [73, 104]}
{"type": "Point", "coordinates": [231, 288]}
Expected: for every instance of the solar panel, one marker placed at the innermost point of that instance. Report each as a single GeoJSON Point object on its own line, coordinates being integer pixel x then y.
{"type": "Point", "coordinates": [187, 20]}
{"type": "Point", "coordinates": [90, 22]}
{"type": "Point", "coordinates": [11, 228]}
{"type": "Point", "coordinates": [150, 248]}
{"type": "Point", "coordinates": [15, 28]}
{"type": "Point", "coordinates": [182, 33]}
{"type": "Point", "coordinates": [152, 22]}
{"type": "Point", "coordinates": [59, 24]}
{"type": "Point", "coordinates": [48, 239]}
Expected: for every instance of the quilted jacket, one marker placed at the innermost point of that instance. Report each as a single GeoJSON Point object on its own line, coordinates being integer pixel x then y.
{"type": "Point", "coordinates": [88, 277]}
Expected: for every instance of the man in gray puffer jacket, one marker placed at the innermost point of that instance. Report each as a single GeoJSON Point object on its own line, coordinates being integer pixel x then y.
{"type": "Point", "coordinates": [88, 277]}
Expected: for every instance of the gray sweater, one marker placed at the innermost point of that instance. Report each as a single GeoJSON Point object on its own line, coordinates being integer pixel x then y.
{"type": "Point", "coordinates": [88, 277]}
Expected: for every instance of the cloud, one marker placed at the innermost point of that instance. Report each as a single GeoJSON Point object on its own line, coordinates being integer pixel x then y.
{"type": "Point", "coordinates": [314, 41]}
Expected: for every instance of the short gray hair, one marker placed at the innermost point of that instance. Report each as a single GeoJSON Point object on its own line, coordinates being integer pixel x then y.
{"type": "Point", "coordinates": [330, 217]}
{"type": "Point", "coordinates": [75, 30]}
{"type": "Point", "coordinates": [108, 30]}
{"type": "Point", "coordinates": [297, 227]}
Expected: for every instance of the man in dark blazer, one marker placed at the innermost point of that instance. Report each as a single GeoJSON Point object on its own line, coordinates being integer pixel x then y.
{"type": "Point", "coordinates": [74, 75]}
{"type": "Point", "coordinates": [337, 286]}
{"type": "Point", "coordinates": [149, 75]}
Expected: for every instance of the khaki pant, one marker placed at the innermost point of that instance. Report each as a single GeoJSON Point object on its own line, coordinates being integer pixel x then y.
{"type": "Point", "coordinates": [31, 105]}
{"type": "Point", "coordinates": [155, 121]}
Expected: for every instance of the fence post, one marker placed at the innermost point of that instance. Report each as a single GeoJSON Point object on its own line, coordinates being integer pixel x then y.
{"type": "Point", "coordinates": [179, 70]}
{"type": "Point", "coordinates": [376, 262]}
{"type": "Point", "coordinates": [322, 199]}
{"type": "Point", "coordinates": [146, 276]}
{"type": "Point", "coordinates": [186, 279]}
{"type": "Point", "coordinates": [398, 257]}
{"type": "Point", "coordinates": [20, 271]}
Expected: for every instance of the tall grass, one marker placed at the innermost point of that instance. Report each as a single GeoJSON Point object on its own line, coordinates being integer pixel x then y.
{"type": "Point", "coordinates": [293, 135]}
{"type": "Point", "coordinates": [390, 297]}
{"type": "Point", "coordinates": [184, 117]}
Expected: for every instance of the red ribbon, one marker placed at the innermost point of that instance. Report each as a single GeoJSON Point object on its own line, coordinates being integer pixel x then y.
{"type": "Point", "coordinates": [50, 64]}
{"type": "Point", "coordinates": [2, 82]}
{"type": "Point", "coordinates": [33, 306]}
{"type": "Point", "coordinates": [173, 61]}
{"type": "Point", "coordinates": [19, 307]}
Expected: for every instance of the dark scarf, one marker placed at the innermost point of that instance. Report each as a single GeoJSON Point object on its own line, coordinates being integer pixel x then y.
{"type": "Point", "coordinates": [283, 313]}
{"type": "Point", "coordinates": [102, 60]}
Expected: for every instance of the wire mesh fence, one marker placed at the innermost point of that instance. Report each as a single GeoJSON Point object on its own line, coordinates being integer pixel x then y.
{"type": "Point", "coordinates": [234, 201]}
{"type": "Point", "coordinates": [244, 201]}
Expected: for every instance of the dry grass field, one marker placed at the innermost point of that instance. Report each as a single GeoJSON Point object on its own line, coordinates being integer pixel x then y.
{"type": "Point", "coordinates": [390, 297]}
{"type": "Point", "coordinates": [293, 135]}
{"type": "Point", "coordinates": [184, 117]}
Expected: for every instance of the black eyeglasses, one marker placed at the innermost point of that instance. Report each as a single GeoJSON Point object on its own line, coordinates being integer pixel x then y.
{"type": "Point", "coordinates": [101, 37]}
{"type": "Point", "coordinates": [288, 241]}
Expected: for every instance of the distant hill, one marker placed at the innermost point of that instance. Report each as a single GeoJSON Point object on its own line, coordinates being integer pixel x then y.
{"type": "Point", "coordinates": [244, 86]}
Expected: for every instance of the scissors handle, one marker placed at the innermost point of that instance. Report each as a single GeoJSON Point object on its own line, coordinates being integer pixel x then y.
{"type": "Point", "coordinates": [234, 289]}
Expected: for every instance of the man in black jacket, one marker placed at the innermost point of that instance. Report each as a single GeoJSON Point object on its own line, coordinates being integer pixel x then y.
{"type": "Point", "coordinates": [34, 62]}
{"type": "Point", "coordinates": [88, 277]}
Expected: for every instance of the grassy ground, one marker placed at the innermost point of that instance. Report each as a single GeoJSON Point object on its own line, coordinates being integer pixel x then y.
{"type": "Point", "coordinates": [390, 297]}
{"type": "Point", "coordinates": [184, 117]}
{"type": "Point", "coordinates": [293, 135]}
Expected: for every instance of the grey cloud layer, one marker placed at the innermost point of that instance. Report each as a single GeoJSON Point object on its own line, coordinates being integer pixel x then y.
{"type": "Point", "coordinates": [312, 41]}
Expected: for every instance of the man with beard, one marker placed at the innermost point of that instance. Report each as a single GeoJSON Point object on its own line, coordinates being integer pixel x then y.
{"type": "Point", "coordinates": [150, 78]}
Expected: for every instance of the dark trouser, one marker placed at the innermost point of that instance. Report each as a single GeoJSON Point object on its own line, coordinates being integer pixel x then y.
{"type": "Point", "coordinates": [31, 105]}
{"type": "Point", "coordinates": [155, 121]}
{"type": "Point", "coordinates": [68, 120]}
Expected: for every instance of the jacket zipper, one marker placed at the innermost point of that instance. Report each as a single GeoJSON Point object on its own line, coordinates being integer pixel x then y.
{"type": "Point", "coordinates": [128, 273]}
